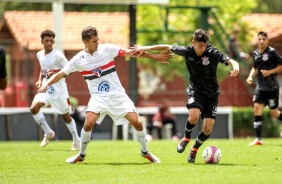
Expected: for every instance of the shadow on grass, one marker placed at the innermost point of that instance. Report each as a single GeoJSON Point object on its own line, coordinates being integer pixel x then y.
{"type": "Point", "coordinates": [109, 164]}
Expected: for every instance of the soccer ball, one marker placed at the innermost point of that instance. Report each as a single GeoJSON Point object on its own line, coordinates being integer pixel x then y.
{"type": "Point", "coordinates": [211, 155]}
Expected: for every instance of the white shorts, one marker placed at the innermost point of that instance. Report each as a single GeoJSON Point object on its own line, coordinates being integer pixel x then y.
{"type": "Point", "coordinates": [60, 104]}
{"type": "Point", "coordinates": [116, 106]}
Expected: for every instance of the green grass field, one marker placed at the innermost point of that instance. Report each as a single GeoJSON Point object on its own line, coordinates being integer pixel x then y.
{"type": "Point", "coordinates": [119, 162]}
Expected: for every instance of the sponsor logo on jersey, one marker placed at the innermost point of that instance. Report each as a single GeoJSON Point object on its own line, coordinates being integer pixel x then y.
{"type": "Point", "coordinates": [265, 57]}
{"type": "Point", "coordinates": [205, 60]}
{"type": "Point", "coordinates": [50, 89]}
{"type": "Point", "coordinates": [104, 86]}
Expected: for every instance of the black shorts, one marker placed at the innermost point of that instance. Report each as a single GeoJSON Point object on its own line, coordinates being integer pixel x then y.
{"type": "Point", "coordinates": [268, 98]}
{"type": "Point", "coordinates": [206, 104]}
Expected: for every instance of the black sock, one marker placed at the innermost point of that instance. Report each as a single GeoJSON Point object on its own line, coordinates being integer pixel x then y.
{"type": "Point", "coordinates": [258, 127]}
{"type": "Point", "coordinates": [188, 129]}
{"type": "Point", "coordinates": [200, 140]}
{"type": "Point", "coordinates": [280, 116]}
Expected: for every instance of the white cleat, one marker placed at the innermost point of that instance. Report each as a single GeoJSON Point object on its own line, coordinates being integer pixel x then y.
{"type": "Point", "coordinates": [76, 158]}
{"type": "Point", "coordinates": [256, 142]}
{"type": "Point", "coordinates": [75, 145]}
{"type": "Point", "coordinates": [151, 157]}
{"type": "Point", "coordinates": [47, 138]}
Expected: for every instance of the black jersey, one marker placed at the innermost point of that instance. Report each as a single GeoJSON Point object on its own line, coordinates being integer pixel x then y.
{"type": "Point", "coordinates": [202, 69]}
{"type": "Point", "coordinates": [3, 72]}
{"type": "Point", "coordinates": [267, 60]}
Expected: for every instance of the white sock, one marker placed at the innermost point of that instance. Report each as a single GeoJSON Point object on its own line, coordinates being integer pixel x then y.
{"type": "Point", "coordinates": [40, 120]}
{"type": "Point", "coordinates": [85, 139]}
{"type": "Point", "coordinates": [141, 137]}
{"type": "Point", "coordinates": [72, 128]}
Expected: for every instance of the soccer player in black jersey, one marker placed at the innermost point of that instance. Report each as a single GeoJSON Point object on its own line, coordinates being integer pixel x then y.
{"type": "Point", "coordinates": [201, 59]}
{"type": "Point", "coordinates": [267, 63]}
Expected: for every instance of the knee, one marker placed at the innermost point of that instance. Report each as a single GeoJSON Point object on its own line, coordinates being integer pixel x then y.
{"type": "Point", "coordinates": [88, 126]}
{"type": "Point", "coordinates": [207, 130]}
{"type": "Point", "coordinates": [34, 109]}
{"type": "Point", "coordinates": [67, 118]}
{"type": "Point", "coordinates": [193, 119]}
{"type": "Point", "coordinates": [137, 125]}
{"type": "Point", "coordinates": [274, 114]}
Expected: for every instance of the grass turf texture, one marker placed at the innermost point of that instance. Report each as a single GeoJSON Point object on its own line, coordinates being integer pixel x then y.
{"type": "Point", "coordinates": [120, 162]}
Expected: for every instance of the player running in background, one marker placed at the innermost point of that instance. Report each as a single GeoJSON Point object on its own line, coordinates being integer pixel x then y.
{"type": "Point", "coordinates": [96, 64]}
{"type": "Point", "coordinates": [51, 61]}
{"type": "Point", "coordinates": [201, 59]}
{"type": "Point", "coordinates": [267, 63]}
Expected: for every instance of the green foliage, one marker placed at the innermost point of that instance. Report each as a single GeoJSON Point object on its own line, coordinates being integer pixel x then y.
{"type": "Point", "coordinates": [181, 24]}
{"type": "Point", "coordinates": [268, 6]}
{"type": "Point", "coordinates": [119, 162]}
{"type": "Point", "coordinates": [243, 119]}
{"type": "Point", "coordinates": [9, 6]}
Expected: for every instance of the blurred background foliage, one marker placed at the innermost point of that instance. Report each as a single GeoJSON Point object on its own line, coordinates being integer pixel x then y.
{"type": "Point", "coordinates": [152, 27]}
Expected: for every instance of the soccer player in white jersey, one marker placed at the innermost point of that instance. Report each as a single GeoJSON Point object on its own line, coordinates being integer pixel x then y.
{"type": "Point", "coordinates": [96, 64]}
{"type": "Point", "coordinates": [51, 61]}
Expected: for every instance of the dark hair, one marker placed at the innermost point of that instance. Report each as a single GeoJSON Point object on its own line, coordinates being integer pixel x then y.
{"type": "Point", "coordinates": [262, 33]}
{"type": "Point", "coordinates": [47, 32]}
{"type": "Point", "coordinates": [88, 32]}
{"type": "Point", "coordinates": [201, 35]}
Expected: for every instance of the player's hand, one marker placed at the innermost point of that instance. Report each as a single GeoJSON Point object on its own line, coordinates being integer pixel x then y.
{"type": "Point", "coordinates": [42, 89]}
{"type": "Point", "coordinates": [50, 73]}
{"type": "Point", "coordinates": [265, 73]}
{"type": "Point", "coordinates": [137, 50]}
{"type": "Point", "coordinates": [249, 80]}
{"type": "Point", "coordinates": [235, 70]}
{"type": "Point", "coordinates": [163, 56]}
{"type": "Point", "coordinates": [38, 84]}
{"type": "Point", "coordinates": [234, 73]}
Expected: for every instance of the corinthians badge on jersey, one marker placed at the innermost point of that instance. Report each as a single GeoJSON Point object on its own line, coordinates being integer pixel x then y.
{"type": "Point", "coordinates": [265, 57]}
{"type": "Point", "coordinates": [205, 60]}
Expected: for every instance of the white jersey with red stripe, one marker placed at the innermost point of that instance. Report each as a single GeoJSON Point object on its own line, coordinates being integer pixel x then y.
{"type": "Point", "coordinates": [98, 69]}
{"type": "Point", "coordinates": [53, 61]}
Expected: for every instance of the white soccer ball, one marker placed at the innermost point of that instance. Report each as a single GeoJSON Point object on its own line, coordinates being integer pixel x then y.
{"type": "Point", "coordinates": [211, 155]}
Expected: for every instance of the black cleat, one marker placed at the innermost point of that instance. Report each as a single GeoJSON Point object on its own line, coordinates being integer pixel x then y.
{"type": "Point", "coordinates": [193, 154]}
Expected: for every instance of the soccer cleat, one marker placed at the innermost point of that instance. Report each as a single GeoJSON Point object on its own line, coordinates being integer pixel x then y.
{"type": "Point", "coordinates": [256, 142]}
{"type": "Point", "coordinates": [182, 144]}
{"type": "Point", "coordinates": [192, 155]}
{"type": "Point", "coordinates": [47, 138]}
{"type": "Point", "coordinates": [151, 157]}
{"type": "Point", "coordinates": [76, 158]}
{"type": "Point", "coordinates": [75, 145]}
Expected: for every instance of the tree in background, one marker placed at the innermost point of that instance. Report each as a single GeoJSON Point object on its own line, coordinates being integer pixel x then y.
{"type": "Point", "coordinates": [183, 22]}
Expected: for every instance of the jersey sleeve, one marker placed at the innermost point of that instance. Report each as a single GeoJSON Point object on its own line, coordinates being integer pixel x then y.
{"type": "Point", "coordinates": [180, 50]}
{"type": "Point", "coordinates": [279, 58]}
{"type": "Point", "coordinates": [223, 58]}
{"type": "Point", "coordinates": [115, 50]}
{"type": "Point", "coordinates": [62, 59]}
{"type": "Point", "coordinates": [71, 66]}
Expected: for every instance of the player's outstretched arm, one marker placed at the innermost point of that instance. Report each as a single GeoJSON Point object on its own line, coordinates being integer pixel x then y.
{"type": "Point", "coordinates": [162, 57]}
{"type": "Point", "coordinates": [53, 79]}
{"type": "Point", "coordinates": [141, 49]}
{"type": "Point", "coordinates": [235, 67]}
